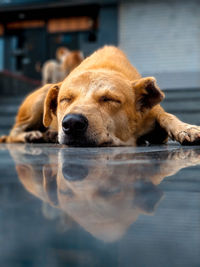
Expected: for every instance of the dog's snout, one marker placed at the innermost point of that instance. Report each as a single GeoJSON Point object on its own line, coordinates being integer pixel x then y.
{"type": "Point", "coordinates": [74, 124]}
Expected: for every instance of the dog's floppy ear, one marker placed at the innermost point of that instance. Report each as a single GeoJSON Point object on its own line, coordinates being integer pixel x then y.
{"type": "Point", "coordinates": [146, 196]}
{"type": "Point", "coordinates": [50, 104]}
{"type": "Point", "coordinates": [147, 93]}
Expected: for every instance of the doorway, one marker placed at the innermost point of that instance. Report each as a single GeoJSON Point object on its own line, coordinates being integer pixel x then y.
{"type": "Point", "coordinates": [24, 49]}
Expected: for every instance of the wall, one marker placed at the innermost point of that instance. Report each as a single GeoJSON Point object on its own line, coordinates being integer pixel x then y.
{"type": "Point", "coordinates": [162, 38]}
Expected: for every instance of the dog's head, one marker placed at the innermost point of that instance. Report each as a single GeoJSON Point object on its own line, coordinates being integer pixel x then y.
{"type": "Point", "coordinates": [61, 53]}
{"type": "Point", "coordinates": [100, 108]}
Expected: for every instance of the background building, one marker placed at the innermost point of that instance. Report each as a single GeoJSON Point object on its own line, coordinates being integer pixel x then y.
{"type": "Point", "coordinates": [161, 38]}
{"type": "Point", "coordinates": [32, 30]}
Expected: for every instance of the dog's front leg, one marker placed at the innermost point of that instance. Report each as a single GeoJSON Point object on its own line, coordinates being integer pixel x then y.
{"type": "Point", "coordinates": [17, 136]}
{"type": "Point", "coordinates": [30, 137]}
{"type": "Point", "coordinates": [184, 133]}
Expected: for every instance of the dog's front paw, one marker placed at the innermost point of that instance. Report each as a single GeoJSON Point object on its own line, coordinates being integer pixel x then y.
{"type": "Point", "coordinates": [50, 136]}
{"type": "Point", "coordinates": [34, 137]}
{"type": "Point", "coordinates": [189, 136]}
{"type": "Point", "coordinates": [3, 139]}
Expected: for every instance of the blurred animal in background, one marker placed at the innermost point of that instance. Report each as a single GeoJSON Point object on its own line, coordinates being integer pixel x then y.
{"type": "Point", "coordinates": [61, 52]}
{"type": "Point", "coordinates": [54, 71]}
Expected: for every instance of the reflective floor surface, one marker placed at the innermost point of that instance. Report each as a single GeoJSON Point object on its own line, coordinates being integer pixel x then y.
{"type": "Point", "coordinates": [99, 206]}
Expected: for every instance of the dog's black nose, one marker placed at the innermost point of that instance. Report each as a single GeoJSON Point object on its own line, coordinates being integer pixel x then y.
{"type": "Point", "coordinates": [74, 124]}
{"type": "Point", "coordinates": [74, 172]}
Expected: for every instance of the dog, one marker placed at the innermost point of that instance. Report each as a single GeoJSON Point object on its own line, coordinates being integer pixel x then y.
{"type": "Point", "coordinates": [102, 102]}
{"type": "Point", "coordinates": [54, 71]}
{"type": "Point", "coordinates": [92, 191]}
{"type": "Point", "coordinates": [61, 52]}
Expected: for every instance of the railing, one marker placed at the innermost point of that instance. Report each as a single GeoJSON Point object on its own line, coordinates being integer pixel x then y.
{"type": "Point", "coordinates": [15, 84]}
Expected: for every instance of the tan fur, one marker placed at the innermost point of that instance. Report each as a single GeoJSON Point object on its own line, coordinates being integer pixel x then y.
{"type": "Point", "coordinates": [122, 108]}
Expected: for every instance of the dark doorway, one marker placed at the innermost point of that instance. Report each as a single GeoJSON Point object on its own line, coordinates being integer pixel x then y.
{"type": "Point", "coordinates": [34, 47]}
{"type": "Point", "coordinates": [24, 49]}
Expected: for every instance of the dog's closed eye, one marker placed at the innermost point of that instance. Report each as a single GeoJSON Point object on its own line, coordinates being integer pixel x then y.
{"type": "Point", "coordinates": [109, 99]}
{"type": "Point", "coordinates": [67, 99]}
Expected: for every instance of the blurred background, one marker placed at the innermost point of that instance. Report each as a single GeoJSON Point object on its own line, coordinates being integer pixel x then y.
{"type": "Point", "coordinates": [161, 38]}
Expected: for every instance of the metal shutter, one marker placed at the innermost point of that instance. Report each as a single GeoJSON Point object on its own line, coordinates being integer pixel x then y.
{"type": "Point", "coordinates": [162, 38]}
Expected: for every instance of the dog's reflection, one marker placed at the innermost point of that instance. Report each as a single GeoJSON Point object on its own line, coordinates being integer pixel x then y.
{"type": "Point", "coordinates": [103, 190]}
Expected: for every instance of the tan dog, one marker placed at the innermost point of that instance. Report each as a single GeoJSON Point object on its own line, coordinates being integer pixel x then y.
{"type": "Point", "coordinates": [55, 71]}
{"type": "Point", "coordinates": [104, 198]}
{"type": "Point", "coordinates": [103, 102]}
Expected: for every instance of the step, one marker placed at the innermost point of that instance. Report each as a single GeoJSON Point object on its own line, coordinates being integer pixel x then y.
{"type": "Point", "coordinates": [182, 94]}
{"type": "Point", "coordinates": [4, 131]}
{"type": "Point", "coordinates": [188, 118]}
{"type": "Point", "coordinates": [181, 106]}
{"type": "Point", "coordinates": [10, 100]}
{"type": "Point", "coordinates": [9, 110]}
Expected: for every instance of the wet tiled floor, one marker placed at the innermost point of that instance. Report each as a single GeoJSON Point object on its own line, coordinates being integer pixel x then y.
{"type": "Point", "coordinates": [99, 206]}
